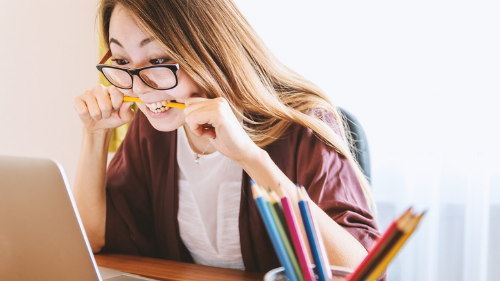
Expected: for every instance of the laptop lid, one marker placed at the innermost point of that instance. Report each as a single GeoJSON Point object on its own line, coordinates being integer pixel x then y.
{"type": "Point", "coordinates": [41, 233]}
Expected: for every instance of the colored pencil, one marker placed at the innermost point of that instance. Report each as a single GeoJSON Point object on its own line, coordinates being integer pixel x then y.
{"type": "Point", "coordinates": [324, 272]}
{"type": "Point", "coordinates": [170, 104]}
{"type": "Point", "coordinates": [375, 254]}
{"type": "Point", "coordinates": [279, 219]}
{"type": "Point", "coordinates": [297, 239]}
{"type": "Point", "coordinates": [276, 202]}
{"type": "Point", "coordinates": [386, 247]}
{"type": "Point", "coordinates": [272, 230]}
{"type": "Point", "coordinates": [322, 248]}
{"type": "Point", "coordinates": [411, 226]}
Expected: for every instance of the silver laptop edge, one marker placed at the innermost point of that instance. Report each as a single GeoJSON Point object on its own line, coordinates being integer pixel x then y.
{"type": "Point", "coordinates": [78, 218]}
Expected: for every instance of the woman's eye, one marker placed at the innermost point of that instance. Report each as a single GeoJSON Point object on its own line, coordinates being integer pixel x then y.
{"type": "Point", "coordinates": [120, 62]}
{"type": "Point", "coordinates": [158, 61]}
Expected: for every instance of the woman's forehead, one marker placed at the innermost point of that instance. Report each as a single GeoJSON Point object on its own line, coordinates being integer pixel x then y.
{"type": "Point", "coordinates": [122, 23]}
{"type": "Point", "coordinates": [125, 31]}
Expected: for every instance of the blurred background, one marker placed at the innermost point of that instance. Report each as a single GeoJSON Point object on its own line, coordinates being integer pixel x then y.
{"type": "Point", "coordinates": [423, 78]}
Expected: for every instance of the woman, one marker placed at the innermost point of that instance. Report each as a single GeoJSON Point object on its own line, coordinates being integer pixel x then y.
{"type": "Point", "coordinates": [179, 185]}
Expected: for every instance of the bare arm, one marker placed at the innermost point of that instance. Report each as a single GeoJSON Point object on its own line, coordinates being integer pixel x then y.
{"type": "Point", "coordinates": [89, 188]}
{"type": "Point", "coordinates": [100, 109]}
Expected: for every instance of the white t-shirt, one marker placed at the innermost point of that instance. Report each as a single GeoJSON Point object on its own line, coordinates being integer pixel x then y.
{"type": "Point", "coordinates": [209, 206]}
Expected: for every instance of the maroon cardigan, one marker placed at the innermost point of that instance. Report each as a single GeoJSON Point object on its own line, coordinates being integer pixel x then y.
{"type": "Point", "coordinates": [142, 195]}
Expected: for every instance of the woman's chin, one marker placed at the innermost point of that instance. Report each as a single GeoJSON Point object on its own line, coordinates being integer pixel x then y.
{"type": "Point", "coordinates": [163, 121]}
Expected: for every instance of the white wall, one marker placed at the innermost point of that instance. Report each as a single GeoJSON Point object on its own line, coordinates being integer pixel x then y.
{"type": "Point", "coordinates": [48, 50]}
{"type": "Point", "coordinates": [411, 71]}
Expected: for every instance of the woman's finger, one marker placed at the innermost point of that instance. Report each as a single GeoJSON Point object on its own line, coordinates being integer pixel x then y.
{"type": "Point", "coordinates": [104, 105]}
{"type": "Point", "coordinates": [194, 104]}
{"type": "Point", "coordinates": [208, 132]}
{"type": "Point", "coordinates": [200, 119]}
{"type": "Point", "coordinates": [81, 108]}
{"type": "Point", "coordinates": [116, 97]}
{"type": "Point", "coordinates": [92, 106]}
{"type": "Point", "coordinates": [193, 100]}
{"type": "Point", "coordinates": [125, 112]}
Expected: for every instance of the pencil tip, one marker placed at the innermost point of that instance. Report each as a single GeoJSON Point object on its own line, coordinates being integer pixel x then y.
{"type": "Point", "coordinates": [255, 191]}
{"type": "Point", "coordinates": [280, 191]}
{"type": "Point", "coordinates": [304, 192]}
{"type": "Point", "coordinates": [300, 195]}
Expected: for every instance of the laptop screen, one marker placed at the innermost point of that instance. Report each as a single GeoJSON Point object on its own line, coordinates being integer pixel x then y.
{"type": "Point", "coordinates": [41, 235]}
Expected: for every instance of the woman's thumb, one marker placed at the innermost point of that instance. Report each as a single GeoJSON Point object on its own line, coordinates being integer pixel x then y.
{"type": "Point", "coordinates": [126, 112]}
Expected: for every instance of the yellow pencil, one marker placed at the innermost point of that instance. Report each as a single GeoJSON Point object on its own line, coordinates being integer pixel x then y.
{"type": "Point", "coordinates": [170, 104]}
{"type": "Point", "coordinates": [411, 226]}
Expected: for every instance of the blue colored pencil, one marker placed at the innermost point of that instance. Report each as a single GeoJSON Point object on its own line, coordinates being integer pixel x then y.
{"type": "Point", "coordinates": [324, 272]}
{"type": "Point", "coordinates": [272, 230]}
{"type": "Point", "coordinates": [322, 248]}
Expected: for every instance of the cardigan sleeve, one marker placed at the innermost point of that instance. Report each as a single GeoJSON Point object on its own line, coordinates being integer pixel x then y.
{"type": "Point", "coordinates": [129, 218]}
{"type": "Point", "coordinates": [332, 184]}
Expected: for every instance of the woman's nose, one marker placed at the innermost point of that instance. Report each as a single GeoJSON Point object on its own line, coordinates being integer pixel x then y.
{"type": "Point", "coordinates": [139, 87]}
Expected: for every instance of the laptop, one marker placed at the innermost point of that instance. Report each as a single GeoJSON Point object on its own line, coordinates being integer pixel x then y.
{"type": "Point", "coordinates": [41, 233]}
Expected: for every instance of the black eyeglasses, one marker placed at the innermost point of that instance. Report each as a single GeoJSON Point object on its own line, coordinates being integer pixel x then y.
{"type": "Point", "coordinates": [158, 77]}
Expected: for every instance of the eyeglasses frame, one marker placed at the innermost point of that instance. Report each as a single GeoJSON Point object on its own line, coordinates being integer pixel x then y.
{"type": "Point", "coordinates": [132, 72]}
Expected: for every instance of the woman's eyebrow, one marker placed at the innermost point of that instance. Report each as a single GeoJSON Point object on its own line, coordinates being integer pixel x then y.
{"type": "Point", "coordinates": [142, 44]}
{"type": "Point", "coordinates": [145, 42]}
{"type": "Point", "coordinates": [113, 40]}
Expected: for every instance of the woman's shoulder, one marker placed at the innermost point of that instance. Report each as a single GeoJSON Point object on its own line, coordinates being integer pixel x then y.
{"type": "Point", "coordinates": [298, 132]}
{"type": "Point", "coordinates": [299, 139]}
{"type": "Point", "coordinates": [328, 117]}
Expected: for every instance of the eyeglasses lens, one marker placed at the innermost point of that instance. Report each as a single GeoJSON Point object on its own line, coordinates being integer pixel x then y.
{"type": "Point", "coordinates": [118, 77]}
{"type": "Point", "coordinates": [160, 78]}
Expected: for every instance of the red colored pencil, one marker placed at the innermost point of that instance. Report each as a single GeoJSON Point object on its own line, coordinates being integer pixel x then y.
{"type": "Point", "coordinates": [297, 239]}
{"type": "Point", "coordinates": [374, 255]}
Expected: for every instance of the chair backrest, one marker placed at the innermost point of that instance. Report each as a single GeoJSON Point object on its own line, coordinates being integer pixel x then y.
{"type": "Point", "coordinates": [358, 135]}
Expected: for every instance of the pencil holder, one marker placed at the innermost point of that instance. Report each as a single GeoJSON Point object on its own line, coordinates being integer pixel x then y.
{"type": "Point", "coordinates": [278, 274]}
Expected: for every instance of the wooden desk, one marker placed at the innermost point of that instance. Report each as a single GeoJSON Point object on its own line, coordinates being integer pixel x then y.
{"type": "Point", "coordinates": [172, 270]}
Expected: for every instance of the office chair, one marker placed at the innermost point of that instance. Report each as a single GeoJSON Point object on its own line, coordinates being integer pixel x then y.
{"type": "Point", "coordinates": [360, 142]}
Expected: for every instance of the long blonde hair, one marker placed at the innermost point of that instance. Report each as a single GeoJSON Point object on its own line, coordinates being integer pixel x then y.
{"type": "Point", "coordinates": [217, 47]}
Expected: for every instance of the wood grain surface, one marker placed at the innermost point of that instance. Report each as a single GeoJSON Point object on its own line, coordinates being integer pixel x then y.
{"type": "Point", "coordinates": [172, 270]}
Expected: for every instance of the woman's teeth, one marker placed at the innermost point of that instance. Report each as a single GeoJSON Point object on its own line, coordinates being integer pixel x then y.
{"type": "Point", "coordinates": [158, 107]}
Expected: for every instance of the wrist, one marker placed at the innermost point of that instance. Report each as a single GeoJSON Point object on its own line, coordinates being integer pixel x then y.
{"type": "Point", "coordinates": [96, 134]}
{"type": "Point", "coordinates": [252, 159]}
{"type": "Point", "coordinates": [96, 139]}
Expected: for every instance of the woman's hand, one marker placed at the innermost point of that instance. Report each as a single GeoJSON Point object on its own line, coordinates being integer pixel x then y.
{"type": "Point", "coordinates": [214, 119]}
{"type": "Point", "coordinates": [103, 108]}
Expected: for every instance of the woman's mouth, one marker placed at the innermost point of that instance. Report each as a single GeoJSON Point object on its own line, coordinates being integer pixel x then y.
{"type": "Point", "coordinates": [159, 107]}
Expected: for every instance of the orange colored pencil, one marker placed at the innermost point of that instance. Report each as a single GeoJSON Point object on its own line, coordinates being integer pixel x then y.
{"type": "Point", "coordinates": [170, 104]}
